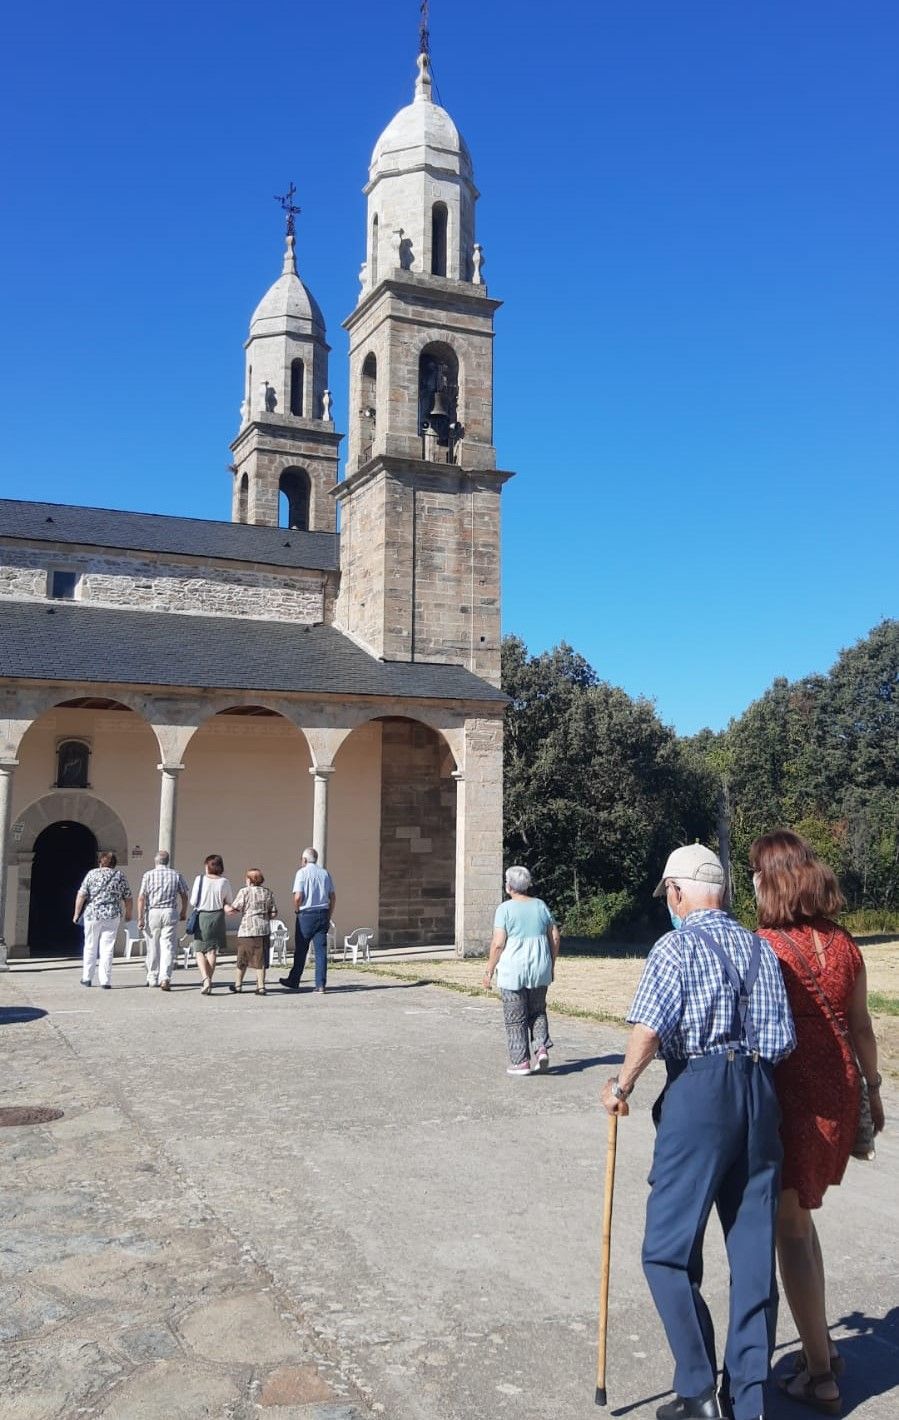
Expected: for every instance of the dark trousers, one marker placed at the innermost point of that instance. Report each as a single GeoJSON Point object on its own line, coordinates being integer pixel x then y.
{"type": "Point", "coordinates": [717, 1145]}
{"type": "Point", "coordinates": [311, 929]}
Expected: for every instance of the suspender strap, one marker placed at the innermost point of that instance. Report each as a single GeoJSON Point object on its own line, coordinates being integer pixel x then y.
{"type": "Point", "coordinates": [743, 1027]}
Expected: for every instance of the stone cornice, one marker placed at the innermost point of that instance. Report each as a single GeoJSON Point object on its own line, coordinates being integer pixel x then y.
{"type": "Point", "coordinates": [422, 473]}
{"type": "Point", "coordinates": [433, 291]}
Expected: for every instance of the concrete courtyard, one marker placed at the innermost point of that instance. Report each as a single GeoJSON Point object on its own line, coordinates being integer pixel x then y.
{"type": "Point", "coordinates": [323, 1208]}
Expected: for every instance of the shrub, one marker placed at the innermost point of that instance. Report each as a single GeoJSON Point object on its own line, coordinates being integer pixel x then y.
{"type": "Point", "coordinates": [600, 914]}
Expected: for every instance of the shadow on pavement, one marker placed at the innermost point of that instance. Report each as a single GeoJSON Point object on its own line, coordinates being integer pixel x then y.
{"type": "Point", "coordinates": [18, 1015]}
{"type": "Point", "coordinates": [574, 1067]}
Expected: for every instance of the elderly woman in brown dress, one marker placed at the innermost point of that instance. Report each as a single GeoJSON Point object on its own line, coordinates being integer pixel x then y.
{"type": "Point", "coordinates": [257, 904]}
{"type": "Point", "coordinates": [818, 1086]}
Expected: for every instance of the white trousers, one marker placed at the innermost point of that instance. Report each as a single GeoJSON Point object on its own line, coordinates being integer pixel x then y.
{"type": "Point", "coordinates": [99, 941]}
{"type": "Point", "coordinates": [162, 939]}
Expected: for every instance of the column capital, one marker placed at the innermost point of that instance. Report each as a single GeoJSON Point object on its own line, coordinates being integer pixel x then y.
{"type": "Point", "coordinates": [458, 775]}
{"type": "Point", "coordinates": [170, 768]}
{"type": "Point", "coordinates": [7, 766]}
{"type": "Point", "coordinates": [322, 771]}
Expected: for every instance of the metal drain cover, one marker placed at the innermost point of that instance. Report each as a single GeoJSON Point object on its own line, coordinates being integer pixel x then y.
{"type": "Point", "coordinates": [28, 1114]}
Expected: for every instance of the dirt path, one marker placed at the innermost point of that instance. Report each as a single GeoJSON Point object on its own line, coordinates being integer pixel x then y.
{"type": "Point", "coordinates": [602, 987]}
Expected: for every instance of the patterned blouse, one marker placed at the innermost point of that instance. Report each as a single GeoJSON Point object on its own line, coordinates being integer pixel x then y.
{"type": "Point", "coordinates": [258, 907]}
{"type": "Point", "coordinates": [105, 889]}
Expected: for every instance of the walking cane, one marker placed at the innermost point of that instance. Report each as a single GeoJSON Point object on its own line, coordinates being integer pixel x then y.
{"type": "Point", "coordinates": [600, 1396]}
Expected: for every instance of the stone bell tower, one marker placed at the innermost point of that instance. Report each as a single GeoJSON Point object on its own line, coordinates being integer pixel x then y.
{"type": "Point", "coordinates": [287, 442]}
{"type": "Point", "coordinates": [420, 501]}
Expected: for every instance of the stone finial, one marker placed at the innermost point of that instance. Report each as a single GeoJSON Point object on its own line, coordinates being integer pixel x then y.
{"type": "Point", "coordinates": [326, 404]}
{"type": "Point", "coordinates": [290, 258]}
{"type": "Point", "coordinates": [363, 277]}
{"type": "Point", "coordinates": [423, 82]}
{"type": "Point", "coordinates": [396, 244]}
{"type": "Point", "coordinates": [477, 264]}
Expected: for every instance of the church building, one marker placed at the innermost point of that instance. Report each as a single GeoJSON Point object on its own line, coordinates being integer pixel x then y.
{"type": "Point", "coordinates": [324, 667]}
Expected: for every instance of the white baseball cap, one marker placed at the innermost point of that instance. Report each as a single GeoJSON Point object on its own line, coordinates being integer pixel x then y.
{"type": "Point", "coordinates": [695, 862]}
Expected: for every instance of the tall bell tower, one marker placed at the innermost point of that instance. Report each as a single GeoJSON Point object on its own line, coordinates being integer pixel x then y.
{"type": "Point", "coordinates": [420, 536]}
{"type": "Point", "coordinates": [287, 441]}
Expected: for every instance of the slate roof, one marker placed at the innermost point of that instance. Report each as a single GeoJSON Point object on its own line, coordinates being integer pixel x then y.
{"type": "Point", "coordinates": [71, 641]}
{"type": "Point", "coordinates": [154, 532]}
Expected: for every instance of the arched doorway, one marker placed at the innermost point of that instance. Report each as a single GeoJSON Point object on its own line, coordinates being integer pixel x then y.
{"type": "Point", "coordinates": [63, 853]}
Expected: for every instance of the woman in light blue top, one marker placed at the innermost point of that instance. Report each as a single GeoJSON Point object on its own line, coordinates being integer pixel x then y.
{"type": "Point", "coordinates": [523, 955]}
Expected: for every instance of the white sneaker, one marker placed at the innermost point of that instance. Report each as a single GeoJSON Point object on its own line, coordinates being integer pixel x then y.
{"type": "Point", "coordinates": [541, 1062]}
{"type": "Point", "coordinates": [518, 1069]}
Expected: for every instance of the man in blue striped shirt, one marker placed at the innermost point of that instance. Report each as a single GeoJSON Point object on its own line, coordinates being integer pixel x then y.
{"type": "Point", "coordinates": [712, 1001]}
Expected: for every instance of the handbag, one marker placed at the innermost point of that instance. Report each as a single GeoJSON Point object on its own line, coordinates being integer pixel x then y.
{"type": "Point", "coordinates": [863, 1145]}
{"type": "Point", "coordinates": [192, 925]}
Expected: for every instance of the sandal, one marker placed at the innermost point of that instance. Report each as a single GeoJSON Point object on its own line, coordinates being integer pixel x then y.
{"type": "Point", "coordinates": [798, 1364]}
{"type": "Point", "coordinates": [260, 991]}
{"type": "Point", "coordinates": [807, 1393]}
{"type": "Point", "coordinates": [234, 987]}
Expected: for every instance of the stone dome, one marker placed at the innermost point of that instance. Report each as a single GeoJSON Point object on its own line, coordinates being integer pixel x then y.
{"type": "Point", "coordinates": [422, 131]}
{"type": "Point", "coordinates": [288, 304]}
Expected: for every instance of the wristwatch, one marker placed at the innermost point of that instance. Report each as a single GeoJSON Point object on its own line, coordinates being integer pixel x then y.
{"type": "Point", "coordinates": [618, 1090]}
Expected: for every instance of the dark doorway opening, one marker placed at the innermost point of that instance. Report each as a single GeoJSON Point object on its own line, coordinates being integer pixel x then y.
{"type": "Point", "coordinates": [63, 853]}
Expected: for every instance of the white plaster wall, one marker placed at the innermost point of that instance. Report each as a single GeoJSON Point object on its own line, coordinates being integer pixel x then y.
{"type": "Point", "coordinates": [354, 832]}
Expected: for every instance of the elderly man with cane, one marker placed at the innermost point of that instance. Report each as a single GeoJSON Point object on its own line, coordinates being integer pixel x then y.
{"type": "Point", "coordinates": [712, 1000]}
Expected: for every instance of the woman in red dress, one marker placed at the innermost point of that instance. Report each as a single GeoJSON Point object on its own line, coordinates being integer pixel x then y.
{"type": "Point", "coordinates": [818, 1085]}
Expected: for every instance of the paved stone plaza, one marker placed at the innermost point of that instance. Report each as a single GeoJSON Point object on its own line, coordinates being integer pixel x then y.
{"type": "Point", "coordinates": [334, 1207]}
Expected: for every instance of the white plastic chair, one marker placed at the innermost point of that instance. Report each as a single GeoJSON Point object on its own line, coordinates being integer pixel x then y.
{"type": "Point", "coordinates": [331, 942]}
{"type": "Point", "coordinates": [278, 942]}
{"type": "Point", "coordinates": [135, 940]}
{"type": "Point", "coordinates": [187, 947]}
{"type": "Point", "coordinates": [358, 942]}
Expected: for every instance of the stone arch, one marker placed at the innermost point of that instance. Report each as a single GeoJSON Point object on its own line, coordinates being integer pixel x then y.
{"type": "Point", "coordinates": [438, 390]}
{"type": "Point", "coordinates": [295, 487]}
{"type": "Point", "coordinates": [453, 735]}
{"type": "Point", "coordinates": [75, 805]}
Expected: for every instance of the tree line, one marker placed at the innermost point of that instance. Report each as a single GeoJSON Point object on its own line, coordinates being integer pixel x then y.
{"type": "Point", "coordinates": [597, 789]}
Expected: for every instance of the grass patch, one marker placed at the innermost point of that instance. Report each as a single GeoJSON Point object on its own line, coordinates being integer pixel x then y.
{"type": "Point", "coordinates": [883, 1005]}
{"type": "Point", "coordinates": [426, 978]}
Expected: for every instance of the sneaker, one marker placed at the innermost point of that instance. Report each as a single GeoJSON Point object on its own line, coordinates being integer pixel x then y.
{"type": "Point", "coordinates": [541, 1062]}
{"type": "Point", "coordinates": [84, 983]}
{"type": "Point", "coordinates": [106, 986]}
{"type": "Point", "coordinates": [152, 983]}
{"type": "Point", "coordinates": [165, 984]}
{"type": "Point", "coordinates": [524, 1069]}
{"type": "Point", "coordinates": [287, 983]}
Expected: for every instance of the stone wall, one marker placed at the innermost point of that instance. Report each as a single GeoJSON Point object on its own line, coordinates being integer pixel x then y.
{"type": "Point", "coordinates": [177, 587]}
{"type": "Point", "coordinates": [418, 831]}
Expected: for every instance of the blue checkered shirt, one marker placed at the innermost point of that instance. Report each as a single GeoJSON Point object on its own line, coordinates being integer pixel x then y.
{"type": "Point", "coordinates": [161, 887]}
{"type": "Point", "coordinates": [685, 998]}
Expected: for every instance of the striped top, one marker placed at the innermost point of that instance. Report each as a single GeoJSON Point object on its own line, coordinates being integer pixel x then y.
{"type": "Point", "coordinates": [162, 886]}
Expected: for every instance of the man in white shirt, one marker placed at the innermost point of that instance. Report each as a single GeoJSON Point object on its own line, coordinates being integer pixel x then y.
{"type": "Point", "coordinates": [314, 898]}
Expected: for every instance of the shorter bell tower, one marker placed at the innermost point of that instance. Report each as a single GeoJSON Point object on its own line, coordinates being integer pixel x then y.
{"type": "Point", "coordinates": [287, 442]}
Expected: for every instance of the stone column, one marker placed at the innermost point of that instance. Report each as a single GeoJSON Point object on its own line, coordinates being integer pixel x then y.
{"type": "Point", "coordinates": [7, 769]}
{"type": "Point", "coordinates": [321, 773]}
{"type": "Point", "coordinates": [479, 836]}
{"type": "Point", "coordinates": [168, 800]}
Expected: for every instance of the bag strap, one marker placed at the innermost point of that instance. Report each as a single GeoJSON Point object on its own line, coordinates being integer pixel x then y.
{"type": "Point", "coordinates": [812, 980]}
{"type": "Point", "coordinates": [195, 893]}
{"type": "Point", "coordinates": [742, 1024]}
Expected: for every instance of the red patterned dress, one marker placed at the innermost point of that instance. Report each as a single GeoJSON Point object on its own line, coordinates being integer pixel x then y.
{"type": "Point", "coordinates": [818, 1085]}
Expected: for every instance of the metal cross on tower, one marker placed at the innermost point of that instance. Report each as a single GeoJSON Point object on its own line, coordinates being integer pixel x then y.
{"type": "Point", "coordinates": [289, 207]}
{"type": "Point", "coordinates": [424, 33]}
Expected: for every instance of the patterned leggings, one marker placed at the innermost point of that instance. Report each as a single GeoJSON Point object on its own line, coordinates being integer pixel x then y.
{"type": "Point", "coordinates": [525, 1016]}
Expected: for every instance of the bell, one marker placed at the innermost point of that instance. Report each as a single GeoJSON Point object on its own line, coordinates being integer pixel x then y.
{"type": "Point", "coordinates": [438, 409]}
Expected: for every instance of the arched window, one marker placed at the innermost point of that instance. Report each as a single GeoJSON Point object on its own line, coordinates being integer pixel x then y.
{"type": "Point", "coordinates": [296, 387]}
{"type": "Point", "coordinates": [438, 394]}
{"type": "Point", "coordinates": [294, 489]}
{"type": "Point", "coordinates": [71, 764]}
{"type": "Point", "coordinates": [374, 250]}
{"type": "Point", "coordinates": [243, 499]}
{"type": "Point", "coordinates": [368, 406]}
{"type": "Point", "coordinates": [438, 239]}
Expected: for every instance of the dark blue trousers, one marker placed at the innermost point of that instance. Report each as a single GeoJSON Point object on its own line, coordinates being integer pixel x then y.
{"type": "Point", "coordinates": [312, 929]}
{"type": "Point", "coordinates": [717, 1146]}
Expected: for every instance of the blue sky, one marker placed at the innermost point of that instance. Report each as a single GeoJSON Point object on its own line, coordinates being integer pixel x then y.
{"type": "Point", "coordinates": [690, 212]}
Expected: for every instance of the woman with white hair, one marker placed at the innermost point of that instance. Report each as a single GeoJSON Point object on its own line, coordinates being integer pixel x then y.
{"type": "Point", "coordinates": [523, 953]}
